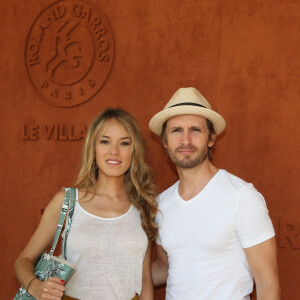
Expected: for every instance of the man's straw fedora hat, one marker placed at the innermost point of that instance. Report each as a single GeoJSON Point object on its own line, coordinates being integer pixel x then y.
{"type": "Point", "coordinates": [187, 101]}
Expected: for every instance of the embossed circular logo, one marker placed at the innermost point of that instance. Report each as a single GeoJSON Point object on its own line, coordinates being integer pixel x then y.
{"type": "Point", "coordinates": [69, 52]}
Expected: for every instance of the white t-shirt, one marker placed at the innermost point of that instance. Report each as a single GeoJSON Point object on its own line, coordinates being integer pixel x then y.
{"type": "Point", "coordinates": [108, 254]}
{"type": "Point", "coordinates": [204, 238]}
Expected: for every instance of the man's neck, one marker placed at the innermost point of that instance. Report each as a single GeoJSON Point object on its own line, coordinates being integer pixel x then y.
{"type": "Point", "coordinates": [193, 181]}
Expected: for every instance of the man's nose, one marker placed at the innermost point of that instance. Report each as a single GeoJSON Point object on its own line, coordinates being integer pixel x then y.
{"type": "Point", "coordinates": [186, 138]}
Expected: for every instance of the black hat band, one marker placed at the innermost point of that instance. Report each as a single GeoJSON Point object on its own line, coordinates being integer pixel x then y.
{"type": "Point", "coordinates": [187, 103]}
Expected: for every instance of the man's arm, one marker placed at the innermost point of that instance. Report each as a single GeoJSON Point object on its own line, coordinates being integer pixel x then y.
{"type": "Point", "coordinates": [160, 267]}
{"type": "Point", "coordinates": [262, 259]}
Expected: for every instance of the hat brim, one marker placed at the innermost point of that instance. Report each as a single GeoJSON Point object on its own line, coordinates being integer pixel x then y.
{"type": "Point", "coordinates": [159, 119]}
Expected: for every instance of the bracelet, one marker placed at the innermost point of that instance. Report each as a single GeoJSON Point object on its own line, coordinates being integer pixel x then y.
{"type": "Point", "coordinates": [30, 283]}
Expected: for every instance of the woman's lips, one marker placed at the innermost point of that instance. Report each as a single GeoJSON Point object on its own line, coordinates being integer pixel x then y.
{"type": "Point", "coordinates": [113, 161]}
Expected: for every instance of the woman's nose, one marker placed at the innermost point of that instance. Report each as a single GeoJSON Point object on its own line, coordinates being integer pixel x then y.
{"type": "Point", "coordinates": [114, 148]}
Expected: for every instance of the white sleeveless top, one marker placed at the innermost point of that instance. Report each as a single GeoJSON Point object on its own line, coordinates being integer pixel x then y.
{"type": "Point", "coordinates": [108, 254]}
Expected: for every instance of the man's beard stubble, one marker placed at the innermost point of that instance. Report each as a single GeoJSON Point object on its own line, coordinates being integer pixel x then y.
{"type": "Point", "coordinates": [187, 162]}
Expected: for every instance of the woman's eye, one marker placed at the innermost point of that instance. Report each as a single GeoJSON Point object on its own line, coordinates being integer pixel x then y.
{"type": "Point", "coordinates": [125, 143]}
{"type": "Point", "coordinates": [103, 141]}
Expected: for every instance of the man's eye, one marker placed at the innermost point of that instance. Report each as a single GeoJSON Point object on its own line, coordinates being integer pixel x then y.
{"type": "Point", "coordinates": [176, 130]}
{"type": "Point", "coordinates": [195, 129]}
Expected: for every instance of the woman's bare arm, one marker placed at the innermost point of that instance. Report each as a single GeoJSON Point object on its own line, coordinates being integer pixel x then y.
{"type": "Point", "coordinates": [147, 287]}
{"type": "Point", "coordinates": [39, 242]}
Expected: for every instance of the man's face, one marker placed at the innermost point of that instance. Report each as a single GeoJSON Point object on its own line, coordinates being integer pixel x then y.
{"type": "Point", "coordinates": [187, 140]}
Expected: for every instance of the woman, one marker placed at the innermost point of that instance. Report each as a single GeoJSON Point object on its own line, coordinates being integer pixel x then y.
{"type": "Point", "coordinates": [113, 222]}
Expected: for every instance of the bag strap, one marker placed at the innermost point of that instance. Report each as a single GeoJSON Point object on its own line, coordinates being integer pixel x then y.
{"type": "Point", "coordinates": [69, 220]}
{"type": "Point", "coordinates": [62, 217]}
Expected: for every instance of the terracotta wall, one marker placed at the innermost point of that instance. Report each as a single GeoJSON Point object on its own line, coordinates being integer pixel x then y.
{"type": "Point", "coordinates": [242, 55]}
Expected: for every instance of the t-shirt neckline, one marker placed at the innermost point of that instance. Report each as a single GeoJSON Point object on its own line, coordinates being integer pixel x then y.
{"type": "Point", "coordinates": [203, 191]}
{"type": "Point", "coordinates": [102, 218]}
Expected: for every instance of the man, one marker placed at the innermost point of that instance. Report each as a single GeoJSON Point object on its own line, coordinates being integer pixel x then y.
{"type": "Point", "coordinates": [215, 232]}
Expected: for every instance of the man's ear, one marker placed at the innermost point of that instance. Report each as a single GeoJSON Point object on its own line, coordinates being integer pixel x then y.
{"type": "Point", "coordinates": [164, 143]}
{"type": "Point", "coordinates": [212, 140]}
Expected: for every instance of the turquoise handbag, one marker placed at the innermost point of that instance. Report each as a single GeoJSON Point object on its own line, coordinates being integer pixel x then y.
{"type": "Point", "coordinates": [49, 265]}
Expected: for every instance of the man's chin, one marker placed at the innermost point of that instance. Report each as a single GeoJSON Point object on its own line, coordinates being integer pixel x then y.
{"type": "Point", "coordinates": [186, 164]}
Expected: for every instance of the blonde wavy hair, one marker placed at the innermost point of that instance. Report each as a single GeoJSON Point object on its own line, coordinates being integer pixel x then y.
{"type": "Point", "coordinates": [138, 180]}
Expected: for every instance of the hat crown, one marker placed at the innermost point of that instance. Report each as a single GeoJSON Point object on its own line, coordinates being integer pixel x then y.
{"type": "Point", "coordinates": [190, 95]}
{"type": "Point", "coordinates": [187, 101]}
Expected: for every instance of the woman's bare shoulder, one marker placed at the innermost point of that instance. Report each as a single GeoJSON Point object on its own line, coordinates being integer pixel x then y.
{"type": "Point", "coordinates": [84, 195]}
{"type": "Point", "coordinates": [56, 202]}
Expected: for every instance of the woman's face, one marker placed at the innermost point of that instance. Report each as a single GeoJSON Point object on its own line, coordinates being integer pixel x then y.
{"type": "Point", "coordinates": [113, 149]}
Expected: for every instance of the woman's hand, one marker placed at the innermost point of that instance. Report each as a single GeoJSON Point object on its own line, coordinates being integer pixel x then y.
{"type": "Point", "coordinates": [52, 288]}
